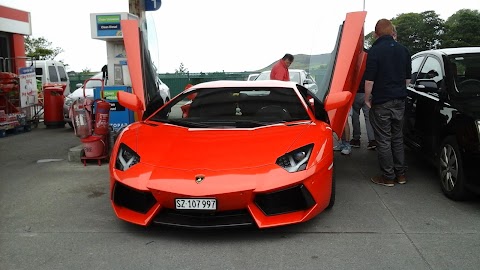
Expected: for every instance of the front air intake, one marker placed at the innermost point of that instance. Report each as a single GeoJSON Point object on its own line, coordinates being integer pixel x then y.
{"type": "Point", "coordinates": [285, 201]}
{"type": "Point", "coordinates": [135, 200]}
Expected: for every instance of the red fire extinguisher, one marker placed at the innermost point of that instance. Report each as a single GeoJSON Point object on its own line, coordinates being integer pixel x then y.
{"type": "Point", "coordinates": [102, 114]}
{"type": "Point", "coordinates": [81, 115]}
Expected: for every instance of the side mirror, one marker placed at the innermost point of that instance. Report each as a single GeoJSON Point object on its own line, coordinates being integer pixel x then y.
{"type": "Point", "coordinates": [337, 100]}
{"type": "Point", "coordinates": [78, 85]}
{"type": "Point", "coordinates": [130, 101]}
{"type": "Point", "coordinates": [426, 85]}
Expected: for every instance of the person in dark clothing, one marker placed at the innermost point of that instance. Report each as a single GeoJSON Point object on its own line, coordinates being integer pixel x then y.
{"type": "Point", "coordinates": [387, 75]}
{"type": "Point", "coordinates": [280, 69]}
{"type": "Point", "coordinates": [359, 104]}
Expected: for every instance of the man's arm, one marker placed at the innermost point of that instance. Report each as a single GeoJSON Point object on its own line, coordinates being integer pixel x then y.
{"type": "Point", "coordinates": [408, 70]}
{"type": "Point", "coordinates": [368, 93]}
{"type": "Point", "coordinates": [370, 73]}
{"type": "Point", "coordinates": [273, 73]}
{"type": "Point", "coordinates": [407, 82]}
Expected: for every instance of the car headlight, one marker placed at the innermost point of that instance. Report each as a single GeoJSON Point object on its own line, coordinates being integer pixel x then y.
{"type": "Point", "coordinates": [295, 160]}
{"type": "Point", "coordinates": [126, 158]}
{"type": "Point", "coordinates": [68, 101]}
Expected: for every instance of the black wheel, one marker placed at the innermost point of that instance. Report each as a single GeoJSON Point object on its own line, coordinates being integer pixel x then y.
{"type": "Point", "coordinates": [332, 196]}
{"type": "Point", "coordinates": [450, 168]}
{"type": "Point", "coordinates": [70, 124]}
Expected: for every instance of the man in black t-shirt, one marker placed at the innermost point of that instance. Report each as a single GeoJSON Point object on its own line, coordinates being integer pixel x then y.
{"type": "Point", "coordinates": [387, 75]}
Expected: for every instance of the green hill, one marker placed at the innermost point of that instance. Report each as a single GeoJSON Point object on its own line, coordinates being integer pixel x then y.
{"type": "Point", "coordinates": [302, 61]}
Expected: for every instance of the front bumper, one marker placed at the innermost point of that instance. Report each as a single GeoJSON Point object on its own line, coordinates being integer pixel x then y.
{"type": "Point", "coordinates": [252, 202]}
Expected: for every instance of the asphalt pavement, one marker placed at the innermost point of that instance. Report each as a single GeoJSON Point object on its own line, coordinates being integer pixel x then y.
{"type": "Point", "coordinates": [56, 214]}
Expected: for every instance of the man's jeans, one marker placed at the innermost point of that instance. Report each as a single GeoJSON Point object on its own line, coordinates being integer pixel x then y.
{"type": "Point", "coordinates": [359, 104]}
{"type": "Point", "coordinates": [387, 123]}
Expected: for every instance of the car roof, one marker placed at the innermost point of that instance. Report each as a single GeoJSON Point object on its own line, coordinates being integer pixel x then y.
{"type": "Point", "coordinates": [40, 62]}
{"type": "Point", "coordinates": [231, 83]}
{"type": "Point", "coordinates": [452, 51]}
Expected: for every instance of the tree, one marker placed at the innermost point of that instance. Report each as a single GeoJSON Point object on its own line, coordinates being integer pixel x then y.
{"type": "Point", "coordinates": [181, 69]}
{"type": "Point", "coordinates": [86, 71]}
{"type": "Point", "coordinates": [41, 49]}
{"type": "Point", "coordinates": [462, 29]}
{"type": "Point", "coordinates": [369, 39]}
{"type": "Point", "coordinates": [419, 31]}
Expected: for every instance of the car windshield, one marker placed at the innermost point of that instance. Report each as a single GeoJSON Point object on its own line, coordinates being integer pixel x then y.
{"type": "Point", "coordinates": [233, 107]}
{"type": "Point", "coordinates": [466, 73]}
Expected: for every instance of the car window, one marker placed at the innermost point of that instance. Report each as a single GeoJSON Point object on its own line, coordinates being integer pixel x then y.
{"type": "Point", "coordinates": [416, 62]}
{"type": "Point", "coordinates": [432, 69]}
{"type": "Point", "coordinates": [295, 77]}
{"type": "Point", "coordinates": [466, 73]}
{"type": "Point", "coordinates": [234, 107]}
{"type": "Point", "coordinates": [63, 75]}
{"type": "Point", "coordinates": [52, 73]}
{"type": "Point", "coordinates": [39, 71]}
{"type": "Point", "coordinates": [263, 76]}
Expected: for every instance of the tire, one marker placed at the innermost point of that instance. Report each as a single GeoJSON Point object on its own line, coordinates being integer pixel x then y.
{"type": "Point", "coordinates": [70, 124]}
{"type": "Point", "coordinates": [332, 194]}
{"type": "Point", "coordinates": [450, 170]}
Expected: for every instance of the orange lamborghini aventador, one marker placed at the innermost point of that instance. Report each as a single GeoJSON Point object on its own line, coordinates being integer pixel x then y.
{"type": "Point", "coordinates": [241, 153]}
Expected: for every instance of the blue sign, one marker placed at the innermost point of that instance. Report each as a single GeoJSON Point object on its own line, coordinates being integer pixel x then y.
{"type": "Point", "coordinates": [27, 70]}
{"type": "Point", "coordinates": [152, 5]}
{"type": "Point", "coordinates": [109, 25]}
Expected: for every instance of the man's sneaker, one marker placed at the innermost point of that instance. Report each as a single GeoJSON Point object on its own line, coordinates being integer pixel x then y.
{"type": "Point", "coordinates": [372, 145]}
{"type": "Point", "coordinates": [355, 143]}
{"type": "Point", "coordinates": [381, 180]}
{"type": "Point", "coordinates": [347, 149]}
{"type": "Point", "coordinates": [401, 179]}
{"type": "Point", "coordinates": [338, 147]}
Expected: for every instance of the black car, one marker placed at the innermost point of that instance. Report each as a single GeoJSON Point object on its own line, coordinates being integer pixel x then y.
{"type": "Point", "coordinates": [442, 116]}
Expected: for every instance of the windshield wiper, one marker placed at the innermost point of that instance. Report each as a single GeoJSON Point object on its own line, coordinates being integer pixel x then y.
{"type": "Point", "coordinates": [183, 123]}
{"type": "Point", "coordinates": [256, 123]}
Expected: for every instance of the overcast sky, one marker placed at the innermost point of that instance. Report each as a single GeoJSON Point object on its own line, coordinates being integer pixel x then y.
{"type": "Point", "coordinates": [217, 35]}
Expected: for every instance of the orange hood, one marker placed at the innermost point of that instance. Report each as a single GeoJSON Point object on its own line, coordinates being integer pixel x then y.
{"type": "Point", "coordinates": [216, 149]}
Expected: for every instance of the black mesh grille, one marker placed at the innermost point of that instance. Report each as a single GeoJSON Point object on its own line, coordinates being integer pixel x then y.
{"type": "Point", "coordinates": [202, 219]}
{"type": "Point", "coordinates": [284, 201]}
{"type": "Point", "coordinates": [138, 201]}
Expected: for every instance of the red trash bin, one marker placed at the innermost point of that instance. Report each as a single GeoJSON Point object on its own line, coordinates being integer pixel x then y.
{"type": "Point", "coordinates": [53, 106]}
